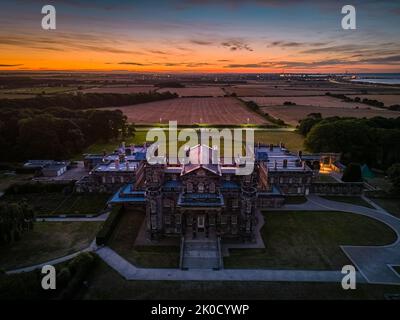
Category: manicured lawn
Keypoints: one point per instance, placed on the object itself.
(58, 203)
(152, 256)
(105, 283)
(292, 140)
(309, 240)
(47, 241)
(295, 200)
(390, 205)
(358, 201)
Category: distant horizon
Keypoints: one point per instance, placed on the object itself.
(196, 72)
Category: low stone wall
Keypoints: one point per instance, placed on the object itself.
(337, 188)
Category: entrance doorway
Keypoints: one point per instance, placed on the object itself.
(201, 223)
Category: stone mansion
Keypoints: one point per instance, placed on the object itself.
(197, 198)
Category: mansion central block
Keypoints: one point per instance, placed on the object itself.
(199, 199)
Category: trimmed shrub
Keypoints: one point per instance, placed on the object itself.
(109, 225)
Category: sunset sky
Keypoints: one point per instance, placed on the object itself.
(201, 36)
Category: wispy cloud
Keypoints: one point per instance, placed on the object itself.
(234, 45)
(10, 65)
(201, 42)
(291, 44)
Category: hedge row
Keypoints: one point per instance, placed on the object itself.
(109, 225)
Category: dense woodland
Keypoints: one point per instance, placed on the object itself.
(56, 127)
(374, 141)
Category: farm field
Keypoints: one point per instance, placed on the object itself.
(36, 90)
(322, 101)
(195, 91)
(218, 111)
(387, 99)
(15, 96)
(261, 91)
(125, 89)
(292, 114)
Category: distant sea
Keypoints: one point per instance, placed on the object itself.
(384, 78)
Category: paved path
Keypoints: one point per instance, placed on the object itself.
(130, 272)
(374, 262)
(101, 217)
(92, 247)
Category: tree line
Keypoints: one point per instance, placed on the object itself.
(369, 102)
(86, 100)
(373, 141)
(15, 219)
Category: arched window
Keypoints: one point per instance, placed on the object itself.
(200, 187)
(189, 187)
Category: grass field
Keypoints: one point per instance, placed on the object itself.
(105, 283)
(293, 141)
(38, 90)
(291, 90)
(123, 242)
(387, 99)
(292, 114)
(122, 89)
(309, 240)
(47, 241)
(60, 204)
(15, 96)
(322, 101)
(187, 111)
(358, 201)
(206, 91)
(390, 205)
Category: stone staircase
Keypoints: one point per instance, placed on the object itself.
(201, 254)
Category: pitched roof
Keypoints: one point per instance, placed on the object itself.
(201, 156)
